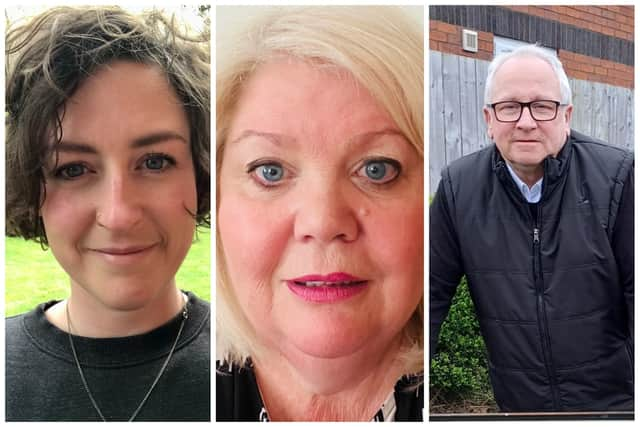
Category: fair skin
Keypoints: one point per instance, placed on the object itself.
(117, 201)
(317, 179)
(526, 143)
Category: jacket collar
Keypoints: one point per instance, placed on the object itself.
(554, 168)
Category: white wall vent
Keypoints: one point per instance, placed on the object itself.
(470, 40)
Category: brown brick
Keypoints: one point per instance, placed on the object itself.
(608, 31)
(486, 46)
(620, 34)
(484, 36)
(583, 15)
(594, 10)
(438, 36)
(600, 70)
(626, 28)
(619, 74)
(455, 38)
(578, 75)
(572, 12)
(551, 15)
(448, 28)
(586, 68)
(594, 27)
(622, 67)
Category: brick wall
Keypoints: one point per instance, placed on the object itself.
(594, 69)
(613, 21)
(616, 21)
(447, 38)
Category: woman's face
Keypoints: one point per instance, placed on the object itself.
(320, 213)
(118, 187)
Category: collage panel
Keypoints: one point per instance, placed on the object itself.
(107, 283)
(320, 253)
(531, 226)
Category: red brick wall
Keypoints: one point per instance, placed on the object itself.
(616, 21)
(594, 69)
(447, 38)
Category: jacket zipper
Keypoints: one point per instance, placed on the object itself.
(543, 326)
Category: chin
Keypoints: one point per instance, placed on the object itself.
(127, 296)
(327, 343)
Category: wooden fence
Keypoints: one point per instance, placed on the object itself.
(456, 123)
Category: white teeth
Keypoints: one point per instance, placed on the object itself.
(319, 283)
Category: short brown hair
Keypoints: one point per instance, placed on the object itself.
(49, 56)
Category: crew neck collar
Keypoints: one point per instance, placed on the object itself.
(115, 352)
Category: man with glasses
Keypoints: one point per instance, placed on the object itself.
(541, 224)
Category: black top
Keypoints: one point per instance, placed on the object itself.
(43, 382)
(552, 288)
(238, 397)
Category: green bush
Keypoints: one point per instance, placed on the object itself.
(458, 371)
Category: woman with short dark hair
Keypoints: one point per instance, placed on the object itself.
(107, 153)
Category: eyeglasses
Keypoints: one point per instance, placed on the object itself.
(511, 111)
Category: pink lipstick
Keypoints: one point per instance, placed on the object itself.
(326, 288)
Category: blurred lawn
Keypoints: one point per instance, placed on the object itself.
(33, 276)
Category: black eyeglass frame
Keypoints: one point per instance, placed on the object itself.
(528, 106)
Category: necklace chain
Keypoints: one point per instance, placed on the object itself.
(185, 315)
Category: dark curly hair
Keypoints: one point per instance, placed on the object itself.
(46, 60)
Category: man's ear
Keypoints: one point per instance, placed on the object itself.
(568, 112)
(489, 120)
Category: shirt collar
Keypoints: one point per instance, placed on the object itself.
(532, 194)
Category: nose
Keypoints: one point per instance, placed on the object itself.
(325, 214)
(526, 120)
(118, 207)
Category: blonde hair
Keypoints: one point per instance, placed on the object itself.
(382, 48)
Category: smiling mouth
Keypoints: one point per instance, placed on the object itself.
(123, 251)
(316, 284)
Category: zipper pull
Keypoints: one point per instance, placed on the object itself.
(536, 235)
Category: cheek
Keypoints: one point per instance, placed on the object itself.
(253, 237)
(398, 243)
(65, 214)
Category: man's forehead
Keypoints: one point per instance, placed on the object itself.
(527, 74)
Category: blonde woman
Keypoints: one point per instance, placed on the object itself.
(320, 216)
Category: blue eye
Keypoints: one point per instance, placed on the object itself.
(381, 171)
(271, 172)
(155, 163)
(376, 170)
(158, 162)
(70, 171)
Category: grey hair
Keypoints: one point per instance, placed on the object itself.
(532, 50)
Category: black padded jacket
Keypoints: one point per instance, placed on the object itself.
(552, 283)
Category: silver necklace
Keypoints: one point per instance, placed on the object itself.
(185, 315)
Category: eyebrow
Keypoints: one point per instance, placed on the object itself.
(279, 139)
(66, 146)
(370, 136)
(275, 138)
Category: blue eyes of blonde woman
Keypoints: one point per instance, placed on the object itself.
(377, 171)
(153, 162)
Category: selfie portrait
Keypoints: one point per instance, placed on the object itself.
(320, 253)
(107, 193)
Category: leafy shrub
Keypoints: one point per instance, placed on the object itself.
(459, 368)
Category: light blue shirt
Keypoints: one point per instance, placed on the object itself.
(532, 194)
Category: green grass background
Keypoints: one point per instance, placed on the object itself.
(33, 276)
